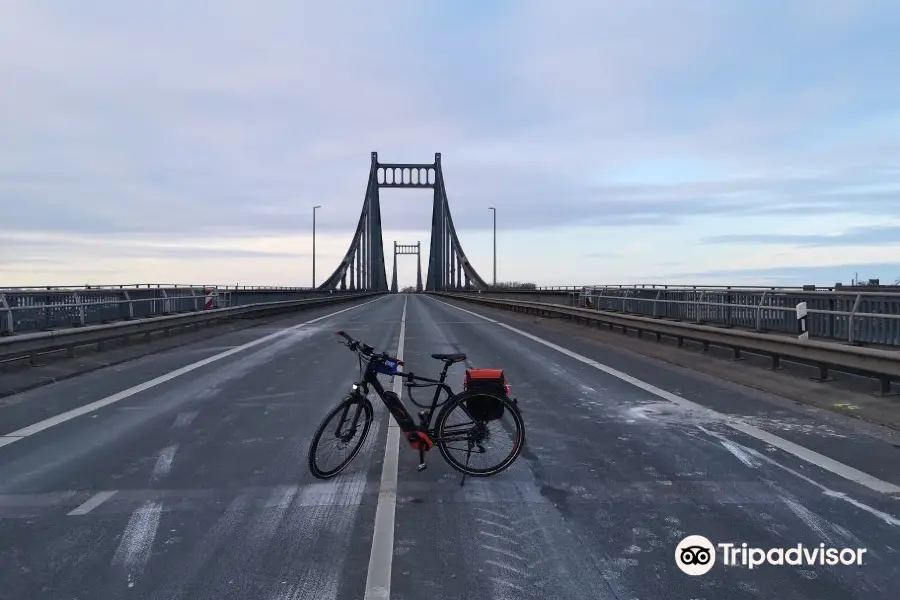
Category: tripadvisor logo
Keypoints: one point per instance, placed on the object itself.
(696, 555)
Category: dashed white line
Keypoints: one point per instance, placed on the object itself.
(805, 454)
(378, 578)
(740, 454)
(184, 419)
(164, 462)
(137, 541)
(92, 503)
(15, 436)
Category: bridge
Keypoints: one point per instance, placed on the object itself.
(363, 268)
(153, 437)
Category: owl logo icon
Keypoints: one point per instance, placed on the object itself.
(695, 555)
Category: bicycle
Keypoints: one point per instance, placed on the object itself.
(483, 406)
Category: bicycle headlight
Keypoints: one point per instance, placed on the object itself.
(354, 387)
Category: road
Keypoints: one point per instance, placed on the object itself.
(185, 477)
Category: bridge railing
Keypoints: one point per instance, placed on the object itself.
(852, 317)
(882, 363)
(48, 308)
(855, 316)
(657, 286)
(119, 286)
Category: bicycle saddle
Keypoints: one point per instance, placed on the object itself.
(458, 357)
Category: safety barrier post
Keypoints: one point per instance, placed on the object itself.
(802, 327)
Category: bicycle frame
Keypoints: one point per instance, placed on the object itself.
(420, 436)
(394, 403)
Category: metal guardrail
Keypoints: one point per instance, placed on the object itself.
(24, 310)
(895, 288)
(856, 317)
(30, 344)
(880, 363)
(571, 288)
(118, 286)
(852, 317)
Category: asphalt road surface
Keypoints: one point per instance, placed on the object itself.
(183, 475)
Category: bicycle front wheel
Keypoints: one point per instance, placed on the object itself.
(343, 429)
(479, 443)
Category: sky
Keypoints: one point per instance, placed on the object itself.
(692, 142)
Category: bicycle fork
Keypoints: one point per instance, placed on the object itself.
(346, 436)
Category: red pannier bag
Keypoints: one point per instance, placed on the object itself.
(493, 382)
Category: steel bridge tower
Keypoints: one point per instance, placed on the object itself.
(408, 249)
(363, 268)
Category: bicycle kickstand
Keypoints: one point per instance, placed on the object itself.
(422, 466)
(462, 482)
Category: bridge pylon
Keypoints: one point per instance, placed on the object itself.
(408, 249)
(363, 268)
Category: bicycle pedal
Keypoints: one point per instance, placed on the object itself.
(422, 467)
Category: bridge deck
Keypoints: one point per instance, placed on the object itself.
(197, 487)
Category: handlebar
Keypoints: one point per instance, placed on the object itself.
(367, 349)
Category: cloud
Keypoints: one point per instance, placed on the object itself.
(823, 275)
(860, 236)
(220, 124)
(43, 250)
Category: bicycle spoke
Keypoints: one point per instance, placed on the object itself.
(478, 446)
(342, 433)
(329, 447)
(467, 426)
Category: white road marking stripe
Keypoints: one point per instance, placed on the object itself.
(889, 519)
(15, 436)
(164, 462)
(810, 456)
(8, 439)
(378, 578)
(137, 540)
(184, 419)
(92, 503)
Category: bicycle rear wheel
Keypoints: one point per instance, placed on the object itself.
(462, 436)
(345, 427)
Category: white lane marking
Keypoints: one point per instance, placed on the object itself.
(809, 518)
(740, 454)
(805, 454)
(92, 503)
(184, 419)
(137, 540)
(15, 436)
(378, 578)
(889, 519)
(164, 462)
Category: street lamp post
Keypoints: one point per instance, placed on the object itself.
(314, 245)
(494, 210)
